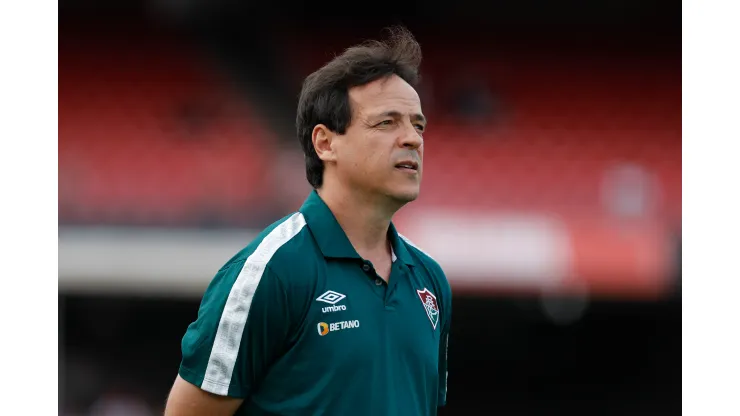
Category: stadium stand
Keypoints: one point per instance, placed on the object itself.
(151, 136)
(147, 135)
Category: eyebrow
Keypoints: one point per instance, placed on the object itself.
(396, 114)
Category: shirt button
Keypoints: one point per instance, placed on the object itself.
(378, 282)
(366, 267)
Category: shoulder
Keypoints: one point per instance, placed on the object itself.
(273, 252)
(426, 261)
(264, 246)
(422, 257)
(285, 250)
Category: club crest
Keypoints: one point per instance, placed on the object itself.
(429, 301)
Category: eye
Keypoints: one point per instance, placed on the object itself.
(419, 127)
(385, 123)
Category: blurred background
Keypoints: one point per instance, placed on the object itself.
(551, 194)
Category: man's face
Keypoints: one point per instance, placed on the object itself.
(381, 151)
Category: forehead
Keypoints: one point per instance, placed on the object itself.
(384, 93)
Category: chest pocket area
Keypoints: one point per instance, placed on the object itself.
(416, 328)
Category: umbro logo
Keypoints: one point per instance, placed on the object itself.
(331, 297)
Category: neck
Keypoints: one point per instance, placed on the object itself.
(363, 218)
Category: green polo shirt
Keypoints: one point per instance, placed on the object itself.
(297, 323)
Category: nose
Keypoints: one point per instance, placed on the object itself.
(411, 138)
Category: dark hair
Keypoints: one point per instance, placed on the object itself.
(324, 97)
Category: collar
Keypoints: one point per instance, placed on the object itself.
(331, 238)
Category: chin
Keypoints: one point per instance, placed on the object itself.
(405, 195)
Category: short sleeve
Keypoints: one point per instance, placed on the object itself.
(444, 344)
(240, 331)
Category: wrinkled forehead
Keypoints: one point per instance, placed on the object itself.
(391, 93)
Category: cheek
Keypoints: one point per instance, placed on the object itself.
(372, 158)
(373, 163)
(369, 157)
(361, 164)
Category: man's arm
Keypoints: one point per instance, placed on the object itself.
(240, 331)
(442, 398)
(186, 399)
(443, 343)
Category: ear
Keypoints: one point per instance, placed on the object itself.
(323, 139)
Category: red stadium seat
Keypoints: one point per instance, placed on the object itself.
(126, 150)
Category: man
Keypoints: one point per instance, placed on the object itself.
(330, 311)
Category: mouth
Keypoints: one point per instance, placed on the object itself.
(408, 165)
